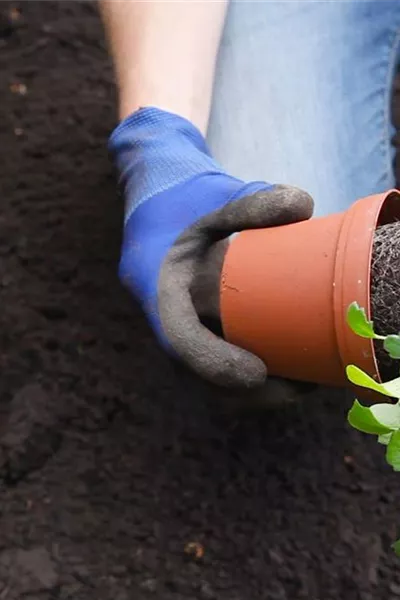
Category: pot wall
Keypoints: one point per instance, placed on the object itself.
(285, 291)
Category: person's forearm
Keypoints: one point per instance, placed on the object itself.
(164, 54)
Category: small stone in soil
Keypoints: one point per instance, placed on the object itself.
(14, 14)
(194, 549)
(18, 88)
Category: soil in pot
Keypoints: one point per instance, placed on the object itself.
(385, 292)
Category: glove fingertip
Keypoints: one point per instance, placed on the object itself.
(254, 373)
(239, 369)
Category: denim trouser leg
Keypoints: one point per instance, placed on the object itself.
(302, 96)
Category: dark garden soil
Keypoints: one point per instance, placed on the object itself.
(120, 479)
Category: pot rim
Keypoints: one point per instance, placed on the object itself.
(352, 278)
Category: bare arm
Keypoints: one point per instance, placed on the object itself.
(164, 54)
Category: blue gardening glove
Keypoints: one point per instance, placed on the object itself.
(179, 202)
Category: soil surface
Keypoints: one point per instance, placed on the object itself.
(121, 478)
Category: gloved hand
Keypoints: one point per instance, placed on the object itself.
(178, 202)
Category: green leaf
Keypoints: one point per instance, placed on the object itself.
(393, 451)
(387, 415)
(392, 387)
(358, 322)
(392, 346)
(362, 418)
(396, 547)
(384, 438)
(358, 377)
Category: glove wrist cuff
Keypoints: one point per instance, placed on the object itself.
(151, 122)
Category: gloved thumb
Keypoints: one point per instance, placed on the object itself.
(277, 205)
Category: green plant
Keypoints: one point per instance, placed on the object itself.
(383, 419)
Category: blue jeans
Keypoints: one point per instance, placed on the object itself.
(303, 93)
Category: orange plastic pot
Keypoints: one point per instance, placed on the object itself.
(285, 291)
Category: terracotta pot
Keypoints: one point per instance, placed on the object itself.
(285, 291)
